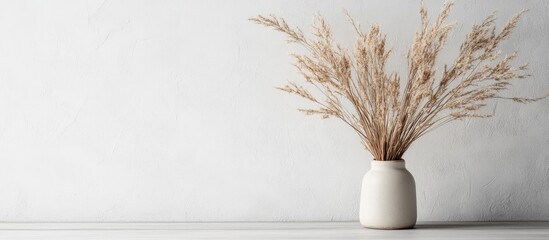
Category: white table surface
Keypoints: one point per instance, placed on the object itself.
(306, 230)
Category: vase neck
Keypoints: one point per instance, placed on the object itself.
(396, 164)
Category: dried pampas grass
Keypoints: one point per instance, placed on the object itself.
(354, 86)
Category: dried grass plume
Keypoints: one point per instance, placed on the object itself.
(389, 114)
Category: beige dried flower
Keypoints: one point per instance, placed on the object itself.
(354, 86)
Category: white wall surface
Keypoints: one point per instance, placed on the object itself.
(166, 111)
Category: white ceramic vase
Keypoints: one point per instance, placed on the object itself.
(388, 197)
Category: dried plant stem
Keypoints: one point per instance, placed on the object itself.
(388, 115)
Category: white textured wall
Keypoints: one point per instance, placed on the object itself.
(166, 111)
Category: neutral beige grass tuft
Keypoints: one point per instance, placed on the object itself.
(354, 86)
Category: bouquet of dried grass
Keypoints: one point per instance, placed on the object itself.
(354, 86)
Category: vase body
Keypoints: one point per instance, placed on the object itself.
(388, 196)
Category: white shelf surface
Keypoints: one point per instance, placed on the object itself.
(300, 230)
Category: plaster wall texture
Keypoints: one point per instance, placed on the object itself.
(166, 111)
